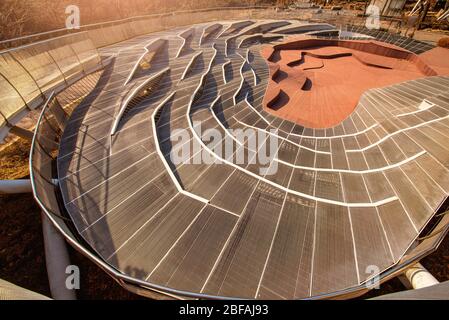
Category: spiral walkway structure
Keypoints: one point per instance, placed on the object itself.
(353, 187)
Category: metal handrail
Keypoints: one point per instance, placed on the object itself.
(33, 142)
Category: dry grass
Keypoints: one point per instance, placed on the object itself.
(14, 160)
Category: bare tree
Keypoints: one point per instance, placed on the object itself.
(49, 14)
(21, 17)
(14, 15)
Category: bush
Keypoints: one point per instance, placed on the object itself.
(444, 42)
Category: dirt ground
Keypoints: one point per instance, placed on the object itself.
(22, 258)
(14, 160)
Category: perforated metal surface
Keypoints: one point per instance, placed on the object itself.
(333, 208)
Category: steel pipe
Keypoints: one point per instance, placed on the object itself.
(57, 261)
(419, 277)
(15, 186)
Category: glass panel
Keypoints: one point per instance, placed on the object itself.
(20, 79)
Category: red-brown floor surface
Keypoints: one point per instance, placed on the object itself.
(323, 88)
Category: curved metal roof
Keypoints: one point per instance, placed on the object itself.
(342, 199)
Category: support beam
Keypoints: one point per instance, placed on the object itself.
(423, 15)
(437, 292)
(22, 133)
